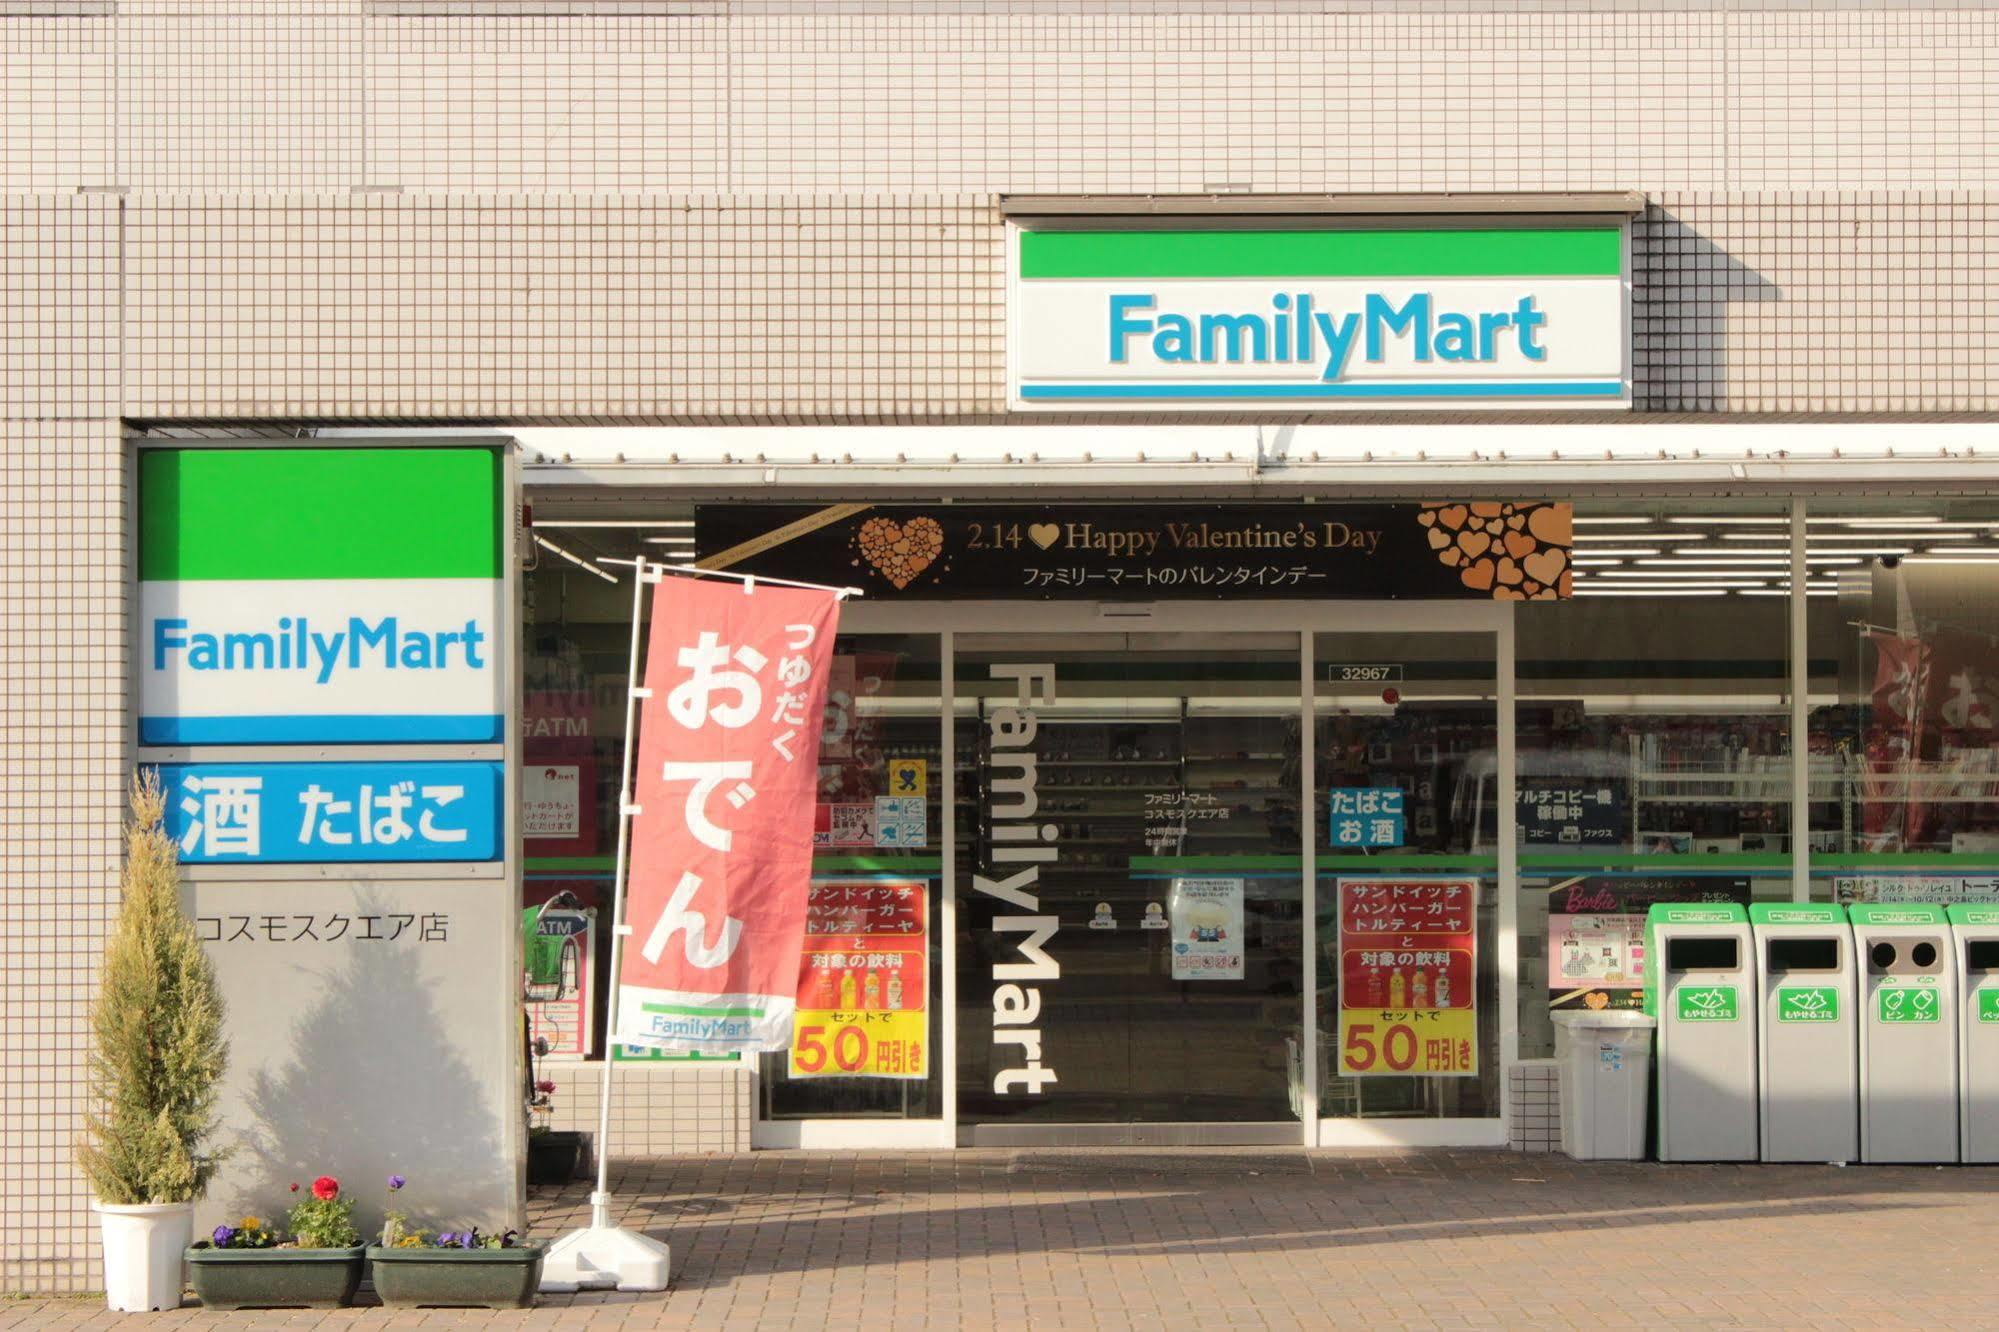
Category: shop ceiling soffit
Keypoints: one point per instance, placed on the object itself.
(1877, 453)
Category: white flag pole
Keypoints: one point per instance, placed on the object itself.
(602, 1254)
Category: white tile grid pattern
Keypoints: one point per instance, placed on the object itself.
(659, 1110)
(491, 95)
(737, 309)
(63, 538)
(1534, 1104)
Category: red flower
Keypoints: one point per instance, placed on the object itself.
(326, 1188)
(545, 1088)
(294, 1188)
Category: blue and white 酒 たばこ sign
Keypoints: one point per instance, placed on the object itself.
(305, 813)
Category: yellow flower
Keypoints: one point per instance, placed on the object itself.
(250, 1223)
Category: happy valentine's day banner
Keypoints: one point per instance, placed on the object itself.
(1496, 550)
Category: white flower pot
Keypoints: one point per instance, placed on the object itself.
(145, 1253)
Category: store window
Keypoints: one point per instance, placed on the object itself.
(873, 926)
(1905, 715)
(577, 635)
(1653, 749)
(876, 863)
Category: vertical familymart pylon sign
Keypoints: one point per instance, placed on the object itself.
(1474, 317)
(320, 596)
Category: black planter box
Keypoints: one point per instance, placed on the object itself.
(553, 1156)
(460, 1278)
(276, 1278)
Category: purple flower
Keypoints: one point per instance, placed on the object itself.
(469, 1239)
(396, 1182)
(222, 1236)
(447, 1240)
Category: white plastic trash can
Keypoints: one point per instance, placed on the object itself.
(1606, 1060)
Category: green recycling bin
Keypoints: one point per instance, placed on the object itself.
(1700, 983)
(1807, 1048)
(1908, 1032)
(1975, 928)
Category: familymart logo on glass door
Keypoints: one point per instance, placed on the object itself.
(309, 596)
(1491, 317)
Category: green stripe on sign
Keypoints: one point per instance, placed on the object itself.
(208, 514)
(678, 1010)
(1494, 252)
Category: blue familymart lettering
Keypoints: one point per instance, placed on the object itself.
(1292, 332)
(294, 645)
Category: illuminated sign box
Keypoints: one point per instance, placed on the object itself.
(1482, 318)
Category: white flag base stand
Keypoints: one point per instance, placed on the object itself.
(601, 1255)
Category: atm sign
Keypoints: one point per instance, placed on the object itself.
(1808, 1003)
(1706, 1003)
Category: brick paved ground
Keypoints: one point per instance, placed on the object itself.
(1265, 1238)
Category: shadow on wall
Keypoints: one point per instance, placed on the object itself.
(374, 1084)
(1683, 286)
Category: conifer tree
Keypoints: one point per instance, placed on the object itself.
(158, 1025)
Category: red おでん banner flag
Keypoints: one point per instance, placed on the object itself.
(721, 848)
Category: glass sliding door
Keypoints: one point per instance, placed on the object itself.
(1130, 907)
(1407, 812)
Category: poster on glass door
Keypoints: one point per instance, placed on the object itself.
(863, 981)
(1206, 924)
(1408, 952)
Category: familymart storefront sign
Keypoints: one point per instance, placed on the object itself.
(1328, 320)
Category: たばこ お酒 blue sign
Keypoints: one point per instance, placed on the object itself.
(1366, 816)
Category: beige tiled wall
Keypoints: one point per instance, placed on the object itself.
(718, 308)
(659, 1110)
(62, 704)
(680, 210)
(1534, 1105)
(573, 307)
(980, 96)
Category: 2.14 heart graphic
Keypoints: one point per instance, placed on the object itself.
(900, 551)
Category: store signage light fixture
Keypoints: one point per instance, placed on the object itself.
(1413, 316)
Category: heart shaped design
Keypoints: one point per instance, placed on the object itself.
(1544, 566)
(1552, 523)
(900, 551)
(1511, 552)
(1043, 534)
